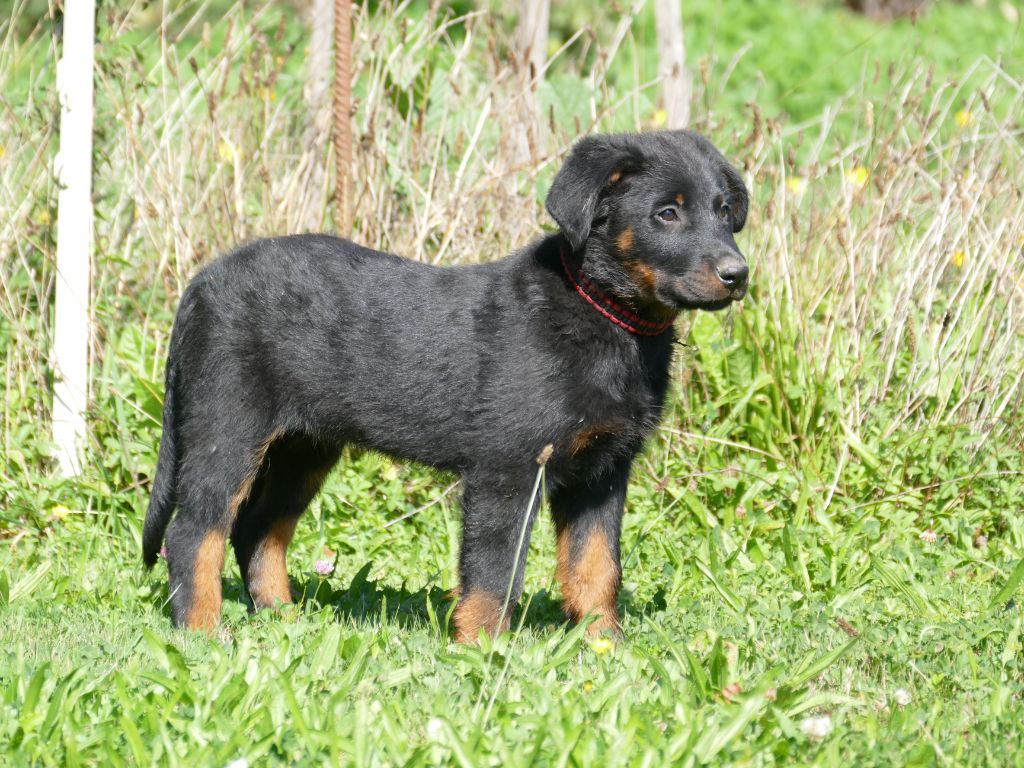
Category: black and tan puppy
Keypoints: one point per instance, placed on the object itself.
(287, 349)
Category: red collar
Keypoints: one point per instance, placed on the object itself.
(607, 307)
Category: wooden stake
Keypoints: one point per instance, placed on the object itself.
(343, 116)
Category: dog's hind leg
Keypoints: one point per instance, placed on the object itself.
(291, 475)
(588, 522)
(496, 535)
(216, 478)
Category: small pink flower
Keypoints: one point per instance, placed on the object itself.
(163, 552)
(324, 567)
(928, 536)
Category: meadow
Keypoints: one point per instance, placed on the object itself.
(824, 544)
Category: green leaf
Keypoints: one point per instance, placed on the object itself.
(1004, 594)
(727, 594)
(811, 670)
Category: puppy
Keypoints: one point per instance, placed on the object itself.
(287, 349)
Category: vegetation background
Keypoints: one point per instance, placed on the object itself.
(824, 546)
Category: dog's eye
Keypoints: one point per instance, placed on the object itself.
(669, 214)
(724, 212)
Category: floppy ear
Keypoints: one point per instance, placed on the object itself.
(594, 163)
(739, 200)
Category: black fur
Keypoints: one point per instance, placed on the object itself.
(289, 348)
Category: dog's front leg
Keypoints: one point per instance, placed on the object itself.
(496, 529)
(588, 521)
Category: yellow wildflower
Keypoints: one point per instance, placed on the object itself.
(227, 151)
(964, 118)
(796, 185)
(857, 176)
(957, 259)
(659, 118)
(3, 150)
(602, 645)
(588, 687)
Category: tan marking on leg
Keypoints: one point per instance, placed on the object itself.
(680, 199)
(590, 582)
(204, 612)
(625, 240)
(582, 439)
(242, 492)
(478, 610)
(268, 571)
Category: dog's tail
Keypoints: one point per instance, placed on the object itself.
(164, 495)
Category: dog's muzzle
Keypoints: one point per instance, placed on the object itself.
(732, 271)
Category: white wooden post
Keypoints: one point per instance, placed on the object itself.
(318, 128)
(675, 84)
(532, 36)
(73, 169)
(530, 56)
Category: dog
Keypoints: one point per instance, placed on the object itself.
(287, 349)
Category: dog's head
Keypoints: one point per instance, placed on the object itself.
(654, 215)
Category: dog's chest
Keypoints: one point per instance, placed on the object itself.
(614, 408)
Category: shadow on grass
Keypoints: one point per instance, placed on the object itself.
(368, 602)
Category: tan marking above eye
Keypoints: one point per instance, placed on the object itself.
(680, 198)
(615, 177)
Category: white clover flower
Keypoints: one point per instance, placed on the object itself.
(817, 727)
(435, 726)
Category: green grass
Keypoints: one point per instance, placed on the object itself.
(364, 671)
(825, 531)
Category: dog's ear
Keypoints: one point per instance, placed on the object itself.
(739, 200)
(595, 163)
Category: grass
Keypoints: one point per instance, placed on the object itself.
(824, 549)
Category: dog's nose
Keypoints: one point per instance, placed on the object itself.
(732, 270)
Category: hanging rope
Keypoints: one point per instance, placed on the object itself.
(342, 116)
